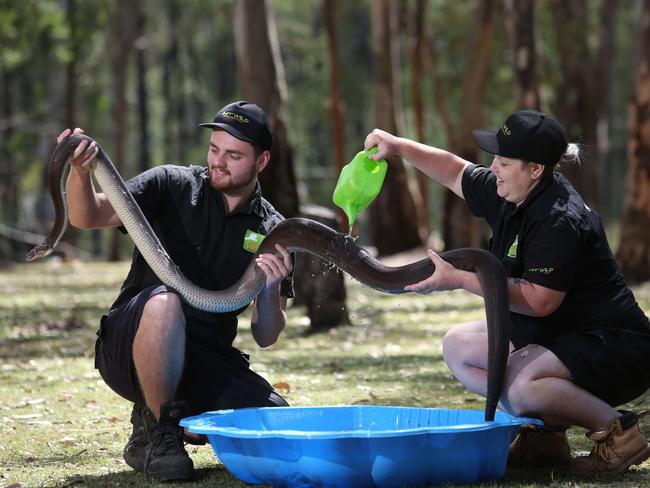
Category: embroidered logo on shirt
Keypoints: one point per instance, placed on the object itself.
(512, 250)
(544, 271)
(252, 241)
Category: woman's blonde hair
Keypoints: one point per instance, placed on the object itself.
(572, 155)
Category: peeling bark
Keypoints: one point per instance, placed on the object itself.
(634, 251)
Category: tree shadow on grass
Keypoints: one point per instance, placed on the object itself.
(219, 476)
(382, 368)
(203, 477)
(78, 342)
(633, 478)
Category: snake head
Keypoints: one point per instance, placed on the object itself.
(39, 252)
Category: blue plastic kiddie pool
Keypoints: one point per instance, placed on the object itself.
(359, 446)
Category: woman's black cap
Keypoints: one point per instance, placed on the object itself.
(527, 134)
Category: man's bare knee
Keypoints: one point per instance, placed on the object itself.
(164, 299)
(163, 309)
(167, 301)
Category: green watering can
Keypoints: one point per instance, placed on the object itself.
(359, 183)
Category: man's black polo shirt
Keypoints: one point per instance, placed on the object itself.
(554, 240)
(190, 219)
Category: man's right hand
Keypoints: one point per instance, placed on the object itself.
(83, 156)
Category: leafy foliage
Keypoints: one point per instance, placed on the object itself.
(190, 71)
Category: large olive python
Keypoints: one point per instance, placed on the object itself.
(295, 234)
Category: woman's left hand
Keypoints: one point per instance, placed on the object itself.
(445, 277)
(275, 267)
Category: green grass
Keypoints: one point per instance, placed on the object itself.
(61, 426)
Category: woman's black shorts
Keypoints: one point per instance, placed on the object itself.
(611, 363)
(213, 378)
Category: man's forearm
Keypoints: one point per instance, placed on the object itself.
(87, 208)
(83, 206)
(270, 318)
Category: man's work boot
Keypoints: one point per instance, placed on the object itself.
(134, 450)
(165, 458)
(617, 448)
(540, 447)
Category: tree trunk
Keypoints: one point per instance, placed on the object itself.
(261, 74)
(144, 157)
(438, 95)
(524, 54)
(574, 90)
(319, 287)
(602, 76)
(460, 228)
(122, 36)
(394, 213)
(71, 79)
(171, 90)
(634, 251)
(584, 88)
(417, 56)
(8, 176)
(335, 102)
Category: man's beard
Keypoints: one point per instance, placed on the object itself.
(232, 184)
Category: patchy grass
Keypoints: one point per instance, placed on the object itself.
(62, 426)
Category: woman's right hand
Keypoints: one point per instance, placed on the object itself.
(387, 144)
(83, 156)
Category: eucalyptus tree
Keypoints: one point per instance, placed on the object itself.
(394, 213)
(634, 251)
(261, 76)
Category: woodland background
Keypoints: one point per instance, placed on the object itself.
(139, 75)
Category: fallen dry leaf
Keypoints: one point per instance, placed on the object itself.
(28, 416)
(334, 368)
(362, 401)
(282, 385)
(68, 441)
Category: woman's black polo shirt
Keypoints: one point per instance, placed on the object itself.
(190, 219)
(554, 240)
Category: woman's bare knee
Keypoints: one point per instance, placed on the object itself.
(461, 348)
(530, 369)
(451, 345)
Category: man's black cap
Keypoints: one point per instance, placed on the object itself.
(245, 121)
(527, 134)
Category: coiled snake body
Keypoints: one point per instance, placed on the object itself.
(296, 235)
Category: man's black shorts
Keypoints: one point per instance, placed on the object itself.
(213, 378)
(613, 364)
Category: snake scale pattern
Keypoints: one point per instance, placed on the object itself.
(297, 235)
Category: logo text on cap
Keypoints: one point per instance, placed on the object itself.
(234, 115)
